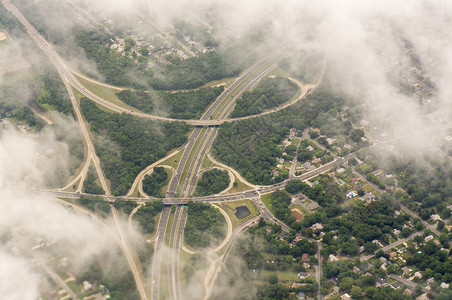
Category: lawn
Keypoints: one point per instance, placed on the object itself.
(282, 275)
(170, 174)
(234, 204)
(240, 187)
(266, 199)
(104, 92)
(169, 225)
(304, 211)
(173, 160)
(76, 288)
(349, 201)
(207, 163)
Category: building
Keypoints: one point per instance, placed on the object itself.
(299, 197)
(422, 297)
(306, 165)
(87, 286)
(340, 170)
(406, 270)
(332, 258)
(305, 257)
(435, 217)
(381, 282)
(287, 143)
(444, 285)
(317, 226)
(346, 297)
(428, 238)
(312, 205)
(367, 197)
(304, 274)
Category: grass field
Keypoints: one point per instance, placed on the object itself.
(173, 161)
(234, 204)
(170, 174)
(104, 92)
(207, 163)
(266, 199)
(282, 275)
(169, 226)
(240, 187)
(300, 208)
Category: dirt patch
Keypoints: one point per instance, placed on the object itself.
(2, 36)
(297, 214)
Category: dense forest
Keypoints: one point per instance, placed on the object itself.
(89, 185)
(179, 105)
(145, 215)
(127, 144)
(279, 202)
(138, 99)
(251, 146)
(110, 63)
(95, 204)
(271, 92)
(205, 225)
(152, 184)
(125, 206)
(212, 182)
(194, 72)
(53, 94)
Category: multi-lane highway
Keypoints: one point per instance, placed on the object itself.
(186, 175)
(156, 261)
(199, 143)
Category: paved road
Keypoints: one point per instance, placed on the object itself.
(64, 69)
(221, 108)
(128, 255)
(213, 198)
(156, 262)
(172, 254)
(319, 271)
(179, 239)
(177, 176)
(55, 277)
(392, 245)
(407, 282)
(404, 208)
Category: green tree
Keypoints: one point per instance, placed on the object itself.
(356, 292)
(346, 283)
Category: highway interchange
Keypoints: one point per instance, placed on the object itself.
(184, 179)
